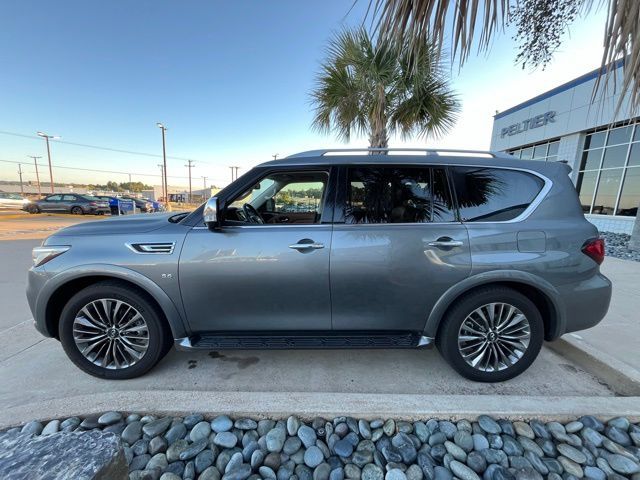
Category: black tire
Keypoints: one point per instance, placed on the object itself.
(447, 338)
(77, 211)
(33, 209)
(159, 334)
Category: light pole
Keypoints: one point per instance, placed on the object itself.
(164, 194)
(189, 166)
(164, 162)
(20, 173)
(275, 156)
(35, 162)
(46, 138)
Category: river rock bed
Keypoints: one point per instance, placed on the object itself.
(192, 447)
(617, 245)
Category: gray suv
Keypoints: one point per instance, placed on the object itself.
(482, 254)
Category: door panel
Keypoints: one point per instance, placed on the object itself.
(243, 278)
(388, 277)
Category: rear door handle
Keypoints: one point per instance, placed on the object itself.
(306, 246)
(445, 242)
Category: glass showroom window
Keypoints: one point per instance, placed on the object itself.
(609, 178)
(547, 151)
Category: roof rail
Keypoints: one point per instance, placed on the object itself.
(427, 151)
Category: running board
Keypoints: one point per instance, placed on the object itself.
(285, 341)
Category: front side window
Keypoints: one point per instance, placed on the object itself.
(493, 194)
(281, 198)
(69, 198)
(53, 198)
(398, 195)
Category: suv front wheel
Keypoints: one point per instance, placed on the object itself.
(491, 334)
(109, 330)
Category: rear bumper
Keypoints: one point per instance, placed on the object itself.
(586, 303)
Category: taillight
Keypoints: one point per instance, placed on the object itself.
(594, 248)
(93, 204)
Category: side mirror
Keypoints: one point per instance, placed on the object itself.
(210, 213)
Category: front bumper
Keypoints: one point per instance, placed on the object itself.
(36, 278)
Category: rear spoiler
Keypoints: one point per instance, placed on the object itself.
(566, 163)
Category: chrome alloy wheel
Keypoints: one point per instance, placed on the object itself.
(494, 337)
(111, 333)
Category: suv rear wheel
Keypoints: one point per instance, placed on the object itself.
(111, 331)
(491, 334)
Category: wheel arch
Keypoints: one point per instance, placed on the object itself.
(57, 296)
(545, 297)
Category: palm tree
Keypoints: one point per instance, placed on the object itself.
(540, 24)
(379, 88)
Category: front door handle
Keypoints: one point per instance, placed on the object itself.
(445, 242)
(306, 246)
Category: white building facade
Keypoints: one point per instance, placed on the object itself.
(601, 146)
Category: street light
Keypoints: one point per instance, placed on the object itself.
(46, 138)
(164, 161)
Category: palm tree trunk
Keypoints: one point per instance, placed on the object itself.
(379, 137)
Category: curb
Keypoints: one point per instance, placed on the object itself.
(307, 406)
(622, 378)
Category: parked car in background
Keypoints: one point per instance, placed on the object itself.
(13, 200)
(70, 203)
(114, 204)
(483, 255)
(142, 204)
(157, 206)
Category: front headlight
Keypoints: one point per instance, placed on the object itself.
(42, 255)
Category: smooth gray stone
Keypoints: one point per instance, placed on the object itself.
(442, 473)
(132, 432)
(523, 429)
(194, 449)
(158, 445)
(70, 423)
(221, 423)
(502, 473)
(189, 471)
(463, 439)
(573, 427)
(623, 465)
(448, 428)
(89, 423)
(170, 476)
(204, 460)
(489, 425)
(571, 467)
(476, 462)
(540, 429)
(620, 422)
(32, 428)
(480, 442)
(157, 461)
(87, 455)
(210, 473)
(572, 453)
(455, 451)
(245, 424)
(313, 457)
(372, 472)
(322, 472)
(414, 472)
(140, 447)
(594, 473)
(200, 431)
(463, 472)
(109, 418)
(592, 422)
(176, 432)
(192, 420)
(52, 427)
(175, 449)
(241, 473)
(395, 474)
(157, 427)
(619, 436)
(225, 440)
(528, 473)
(293, 424)
(276, 438)
(307, 435)
(139, 462)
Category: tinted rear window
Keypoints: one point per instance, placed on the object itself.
(493, 194)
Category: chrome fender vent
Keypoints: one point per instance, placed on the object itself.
(152, 247)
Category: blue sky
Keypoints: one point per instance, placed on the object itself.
(231, 81)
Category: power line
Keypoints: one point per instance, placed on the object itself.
(99, 147)
(98, 171)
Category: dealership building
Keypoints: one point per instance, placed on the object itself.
(601, 146)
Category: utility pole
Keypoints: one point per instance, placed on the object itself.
(164, 193)
(204, 188)
(35, 162)
(129, 180)
(164, 161)
(189, 166)
(234, 173)
(275, 156)
(46, 138)
(20, 173)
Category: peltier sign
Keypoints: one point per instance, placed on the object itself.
(529, 123)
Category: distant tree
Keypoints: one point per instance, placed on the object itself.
(378, 87)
